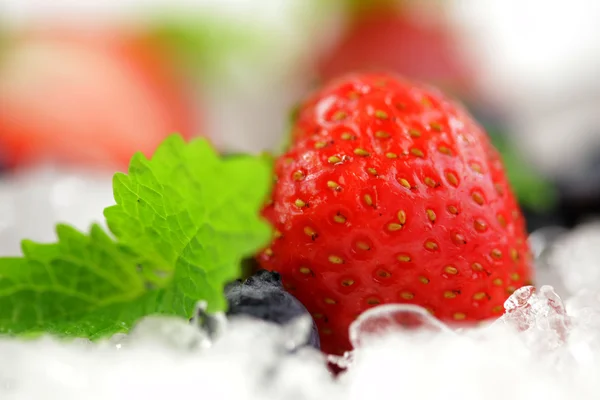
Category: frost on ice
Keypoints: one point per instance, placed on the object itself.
(543, 347)
(539, 349)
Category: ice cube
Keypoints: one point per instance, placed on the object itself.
(391, 318)
(539, 317)
(385, 320)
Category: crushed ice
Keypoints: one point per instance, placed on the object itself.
(541, 348)
(538, 349)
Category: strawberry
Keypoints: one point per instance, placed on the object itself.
(391, 193)
(386, 35)
(91, 98)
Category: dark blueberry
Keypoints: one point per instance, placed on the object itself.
(262, 296)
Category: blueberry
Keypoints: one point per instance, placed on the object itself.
(262, 296)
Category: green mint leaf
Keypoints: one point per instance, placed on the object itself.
(53, 286)
(193, 213)
(183, 222)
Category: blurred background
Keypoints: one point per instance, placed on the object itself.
(85, 84)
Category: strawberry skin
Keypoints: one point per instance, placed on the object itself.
(391, 193)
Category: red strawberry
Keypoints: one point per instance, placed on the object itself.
(386, 36)
(89, 98)
(392, 193)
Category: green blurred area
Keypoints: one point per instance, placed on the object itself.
(203, 46)
(532, 189)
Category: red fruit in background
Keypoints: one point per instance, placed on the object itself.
(87, 98)
(392, 193)
(392, 38)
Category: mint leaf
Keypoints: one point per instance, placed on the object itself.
(183, 222)
(188, 209)
(55, 285)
